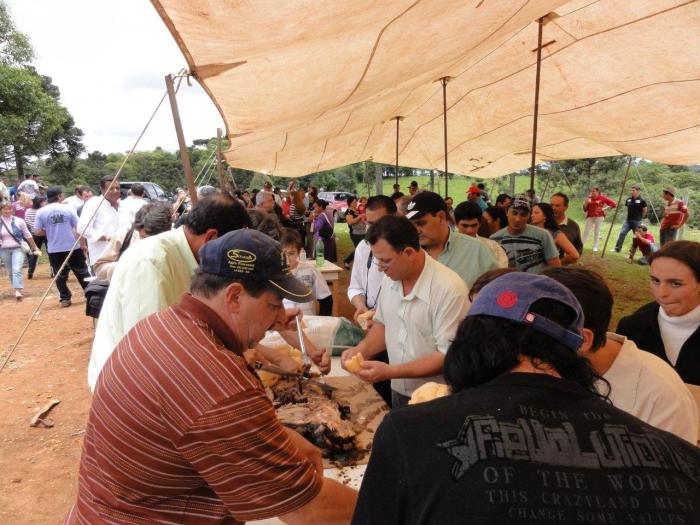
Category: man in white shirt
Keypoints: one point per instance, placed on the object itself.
(418, 312)
(81, 196)
(641, 383)
(366, 279)
(30, 185)
(131, 205)
(99, 220)
(154, 273)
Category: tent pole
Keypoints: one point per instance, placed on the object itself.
(184, 153)
(444, 81)
(537, 103)
(619, 201)
(396, 172)
(220, 161)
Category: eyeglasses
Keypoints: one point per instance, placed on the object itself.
(382, 265)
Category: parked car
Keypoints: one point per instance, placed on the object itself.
(338, 200)
(153, 191)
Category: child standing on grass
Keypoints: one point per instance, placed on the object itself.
(307, 273)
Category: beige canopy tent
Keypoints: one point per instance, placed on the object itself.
(309, 85)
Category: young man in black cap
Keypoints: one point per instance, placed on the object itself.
(468, 257)
(525, 437)
(636, 211)
(180, 428)
(529, 248)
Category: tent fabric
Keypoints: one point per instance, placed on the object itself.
(310, 85)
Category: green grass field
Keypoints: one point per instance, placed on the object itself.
(628, 282)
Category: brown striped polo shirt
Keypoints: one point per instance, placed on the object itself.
(180, 431)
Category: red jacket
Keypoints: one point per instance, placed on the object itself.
(594, 207)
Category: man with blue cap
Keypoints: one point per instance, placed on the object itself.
(524, 437)
(180, 428)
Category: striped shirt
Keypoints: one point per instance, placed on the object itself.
(674, 213)
(180, 431)
(528, 251)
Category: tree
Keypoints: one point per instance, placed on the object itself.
(15, 49)
(33, 123)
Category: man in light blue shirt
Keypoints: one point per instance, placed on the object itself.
(465, 255)
(58, 223)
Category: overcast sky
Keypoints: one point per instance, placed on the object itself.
(109, 59)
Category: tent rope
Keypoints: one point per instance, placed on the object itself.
(617, 208)
(114, 181)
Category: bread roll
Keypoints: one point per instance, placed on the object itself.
(363, 318)
(353, 364)
(428, 392)
(268, 378)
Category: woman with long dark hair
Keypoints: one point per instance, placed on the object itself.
(358, 227)
(325, 219)
(543, 216)
(669, 327)
(39, 240)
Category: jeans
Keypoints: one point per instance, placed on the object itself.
(13, 259)
(76, 263)
(595, 223)
(667, 235)
(627, 226)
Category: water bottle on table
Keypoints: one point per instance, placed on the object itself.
(320, 260)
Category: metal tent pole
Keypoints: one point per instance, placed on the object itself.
(184, 153)
(537, 104)
(444, 81)
(396, 173)
(619, 201)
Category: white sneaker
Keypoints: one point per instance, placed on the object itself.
(595, 249)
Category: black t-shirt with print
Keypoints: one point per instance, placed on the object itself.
(525, 449)
(635, 208)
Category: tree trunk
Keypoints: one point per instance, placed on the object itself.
(19, 163)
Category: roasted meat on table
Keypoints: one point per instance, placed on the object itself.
(316, 416)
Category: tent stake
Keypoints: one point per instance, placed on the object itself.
(220, 161)
(537, 103)
(444, 81)
(184, 153)
(619, 201)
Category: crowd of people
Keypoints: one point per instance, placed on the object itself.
(548, 401)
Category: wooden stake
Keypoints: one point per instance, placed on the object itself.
(184, 152)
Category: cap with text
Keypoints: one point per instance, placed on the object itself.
(250, 255)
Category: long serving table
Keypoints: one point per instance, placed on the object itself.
(331, 273)
(350, 476)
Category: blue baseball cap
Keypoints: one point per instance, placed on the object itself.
(250, 255)
(511, 296)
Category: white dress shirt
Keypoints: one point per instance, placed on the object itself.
(647, 387)
(423, 321)
(127, 210)
(149, 277)
(105, 222)
(366, 279)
